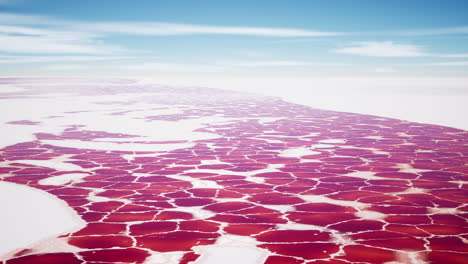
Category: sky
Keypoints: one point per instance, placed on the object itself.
(248, 38)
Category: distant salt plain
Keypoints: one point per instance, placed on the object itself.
(429, 100)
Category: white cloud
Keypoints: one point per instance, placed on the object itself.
(283, 63)
(160, 29)
(42, 35)
(189, 29)
(461, 55)
(392, 49)
(66, 67)
(45, 35)
(43, 44)
(12, 59)
(19, 19)
(53, 33)
(385, 70)
(268, 63)
(252, 53)
(174, 67)
(433, 31)
(449, 63)
(144, 68)
(22, 39)
(382, 49)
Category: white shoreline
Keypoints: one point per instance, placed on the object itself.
(428, 100)
(31, 215)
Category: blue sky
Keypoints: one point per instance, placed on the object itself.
(410, 37)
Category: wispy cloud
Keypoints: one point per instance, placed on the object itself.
(46, 35)
(385, 70)
(188, 29)
(68, 67)
(21, 39)
(447, 63)
(431, 31)
(174, 67)
(13, 59)
(392, 49)
(283, 63)
(41, 44)
(252, 53)
(36, 20)
(180, 67)
(461, 55)
(382, 49)
(161, 28)
(64, 42)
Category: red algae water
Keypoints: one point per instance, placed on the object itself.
(163, 174)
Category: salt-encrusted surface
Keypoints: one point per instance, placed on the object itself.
(169, 175)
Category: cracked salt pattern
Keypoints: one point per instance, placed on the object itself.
(157, 174)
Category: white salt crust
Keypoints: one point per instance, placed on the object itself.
(30, 215)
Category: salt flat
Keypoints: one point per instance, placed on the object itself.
(132, 172)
